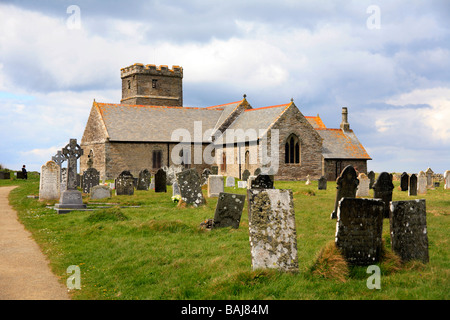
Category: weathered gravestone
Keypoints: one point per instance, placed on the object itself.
(245, 175)
(124, 184)
(90, 178)
(190, 187)
(171, 172)
(412, 189)
(215, 185)
(204, 177)
(249, 181)
(175, 189)
(100, 192)
(160, 181)
(429, 175)
(49, 184)
(230, 182)
(447, 179)
(242, 184)
(63, 179)
(371, 176)
(363, 185)
(262, 181)
(322, 183)
(404, 181)
(422, 183)
(346, 186)
(408, 224)
(143, 180)
(272, 232)
(228, 210)
(382, 189)
(215, 170)
(359, 228)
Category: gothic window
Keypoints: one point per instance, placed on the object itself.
(223, 165)
(129, 84)
(247, 160)
(292, 150)
(157, 159)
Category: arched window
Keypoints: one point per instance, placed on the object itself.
(223, 165)
(247, 160)
(292, 149)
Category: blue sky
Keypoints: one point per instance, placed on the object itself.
(388, 62)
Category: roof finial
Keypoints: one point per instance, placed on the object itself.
(245, 96)
(292, 99)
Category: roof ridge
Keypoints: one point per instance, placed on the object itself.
(220, 105)
(151, 106)
(277, 106)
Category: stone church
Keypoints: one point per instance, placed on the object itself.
(150, 129)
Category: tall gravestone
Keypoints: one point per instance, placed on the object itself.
(63, 179)
(71, 199)
(49, 184)
(124, 184)
(190, 187)
(404, 181)
(272, 231)
(262, 181)
(359, 229)
(382, 189)
(90, 178)
(346, 186)
(160, 181)
(412, 189)
(429, 174)
(447, 179)
(245, 175)
(322, 183)
(371, 176)
(143, 180)
(228, 210)
(215, 185)
(422, 183)
(408, 224)
(363, 185)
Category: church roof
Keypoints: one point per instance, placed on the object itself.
(339, 144)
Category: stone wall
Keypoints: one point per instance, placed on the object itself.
(331, 173)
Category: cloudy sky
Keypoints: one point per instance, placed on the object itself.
(388, 62)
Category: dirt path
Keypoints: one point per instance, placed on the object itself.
(24, 270)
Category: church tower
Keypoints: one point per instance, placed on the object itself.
(152, 85)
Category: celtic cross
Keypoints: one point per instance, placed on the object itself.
(72, 152)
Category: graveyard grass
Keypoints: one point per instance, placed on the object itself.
(158, 251)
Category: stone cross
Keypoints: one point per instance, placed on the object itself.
(58, 158)
(72, 152)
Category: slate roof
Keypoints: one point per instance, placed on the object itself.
(339, 144)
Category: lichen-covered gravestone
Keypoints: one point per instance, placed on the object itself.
(404, 181)
(245, 175)
(90, 178)
(143, 180)
(322, 183)
(273, 237)
(382, 189)
(359, 227)
(124, 184)
(408, 224)
(215, 185)
(346, 186)
(363, 185)
(49, 184)
(262, 181)
(228, 210)
(190, 187)
(160, 181)
(412, 189)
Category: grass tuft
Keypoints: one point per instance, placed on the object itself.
(110, 214)
(331, 264)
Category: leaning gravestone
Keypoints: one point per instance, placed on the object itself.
(160, 181)
(363, 186)
(100, 192)
(143, 180)
(215, 185)
(429, 175)
(371, 176)
(382, 189)
(230, 182)
(422, 183)
(90, 178)
(262, 181)
(346, 186)
(205, 174)
(322, 183)
(245, 175)
(412, 189)
(272, 233)
(190, 187)
(359, 229)
(124, 184)
(49, 184)
(404, 181)
(408, 224)
(447, 179)
(228, 210)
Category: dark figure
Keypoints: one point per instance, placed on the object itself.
(24, 172)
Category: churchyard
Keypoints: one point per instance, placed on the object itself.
(145, 245)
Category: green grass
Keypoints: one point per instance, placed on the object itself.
(158, 251)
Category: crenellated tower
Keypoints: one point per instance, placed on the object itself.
(152, 85)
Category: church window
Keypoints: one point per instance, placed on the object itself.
(292, 150)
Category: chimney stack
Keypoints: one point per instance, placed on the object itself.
(344, 124)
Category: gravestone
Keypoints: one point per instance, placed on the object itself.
(175, 189)
(90, 178)
(214, 170)
(404, 181)
(412, 190)
(152, 183)
(262, 181)
(359, 229)
(205, 174)
(363, 185)
(382, 189)
(143, 180)
(19, 175)
(322, 183)
(429, 175)
(447, 179)
(230, 182)
(308, 182)
(71, 199)
(371, 176)
(215, 185)
(160, 181)
(228, 210)
(124, 184)
(408, 226)
(245, 175)
(100, 192)
(63, 179)
(49, 184)
(171, 172)
(257, 172)
(272, 233)
(346, 185)
(59, 158)
(422, 183)
(190, 187)
(249, 181)
(5, 175)
(242, 184)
